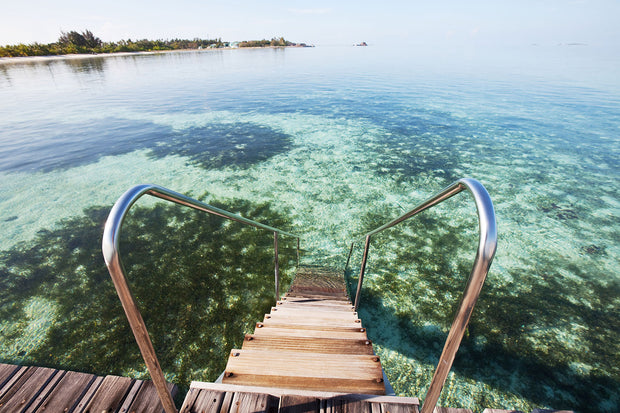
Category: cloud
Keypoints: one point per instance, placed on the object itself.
(310, 11)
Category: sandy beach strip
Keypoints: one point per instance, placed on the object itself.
(51, 58)
(36, 59)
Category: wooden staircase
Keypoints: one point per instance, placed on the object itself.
(312, 340)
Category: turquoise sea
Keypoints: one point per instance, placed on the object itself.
(328, 143)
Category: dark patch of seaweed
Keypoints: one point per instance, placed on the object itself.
(200, 281)
(215, 146)
(513, 341)
(64, 146)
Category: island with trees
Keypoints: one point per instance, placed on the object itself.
(86, 42)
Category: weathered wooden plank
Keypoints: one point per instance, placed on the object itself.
(314, 301)
(319, 282)
(314, 317)
(321, 295)
(67, 392)
(308, 331)
(26, 389)
(254, 402)
(310, 314)
(336, 296)
(279, 392)
(298, 404)
(45, 391)
(147, 399)
(318, 301)
(351, 385)
(398, 408)
(110, 394)
(308, 344)
(88, 395)
(190, 399)
(299, 325)
(343, 405)
(316, 306)
(130, 396)
(228, 398)
(501, 411)
(342, 372)
(299, 364)
(312, 320)
(6, 372)
(319, 311)
(203, 401)
(10, 381)
(450, 410)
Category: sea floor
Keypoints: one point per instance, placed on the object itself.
(328, 160)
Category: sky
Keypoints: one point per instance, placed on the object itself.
(320, 22)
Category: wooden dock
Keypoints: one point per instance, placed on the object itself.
(40, 389)
(224, 398)
(310, 354)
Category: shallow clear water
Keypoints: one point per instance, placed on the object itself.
(328, 143)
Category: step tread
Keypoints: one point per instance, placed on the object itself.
(308, 344)
(356, 373)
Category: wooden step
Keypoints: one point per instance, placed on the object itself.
(307, 344)
(333, 328)
(309, 322)
(321, 311)
(318, 301)
(315, 303)
(313, 294)
(348, 333)
(296, 370)
(311, 340)
(296, 314)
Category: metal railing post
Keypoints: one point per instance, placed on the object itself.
(362, 270)
(297, 252)
(484, 256)
(277, 266)
(346, 267)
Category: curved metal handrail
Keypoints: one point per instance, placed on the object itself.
(110, 247)
(484, 256)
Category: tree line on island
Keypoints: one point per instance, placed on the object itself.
(87, 43)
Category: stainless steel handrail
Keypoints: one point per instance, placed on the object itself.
(484, 256)
(110, 247)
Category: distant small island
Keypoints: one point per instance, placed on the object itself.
(87, 43)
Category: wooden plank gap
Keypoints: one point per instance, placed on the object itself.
(10, 381)
(46, 391)
(255, 403)
(26, 389)
(131, 395)
(6, 372)
(208, 401)
(110, 394)
(66, 393)
(87, 395)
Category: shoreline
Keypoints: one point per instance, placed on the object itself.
(79, 56)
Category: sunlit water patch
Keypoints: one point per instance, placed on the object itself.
(328, 151)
